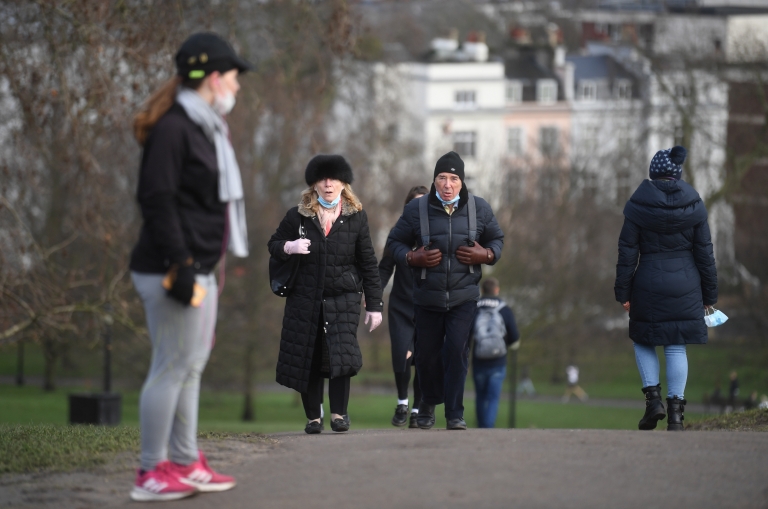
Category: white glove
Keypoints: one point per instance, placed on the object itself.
(374, 317)
(298, 246)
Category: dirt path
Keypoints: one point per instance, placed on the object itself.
(441, 469)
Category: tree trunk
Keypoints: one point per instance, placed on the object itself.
(50, 355)
(249, 412)
(20, 363)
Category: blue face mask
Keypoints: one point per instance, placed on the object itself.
(450, 202)
(326, 204)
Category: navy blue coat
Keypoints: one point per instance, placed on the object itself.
(402, 325)
(450, 284)
(666, 229)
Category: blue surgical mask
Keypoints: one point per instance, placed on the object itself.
(328, 205)
(450, 202)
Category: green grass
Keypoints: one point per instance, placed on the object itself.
(282, 411)
(751, 420)
(31, 448)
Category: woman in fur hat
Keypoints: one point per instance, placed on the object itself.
(666, 291)
(322, 312)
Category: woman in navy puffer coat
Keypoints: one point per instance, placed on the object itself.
(665, 277)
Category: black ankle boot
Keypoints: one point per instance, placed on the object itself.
(654, 408)
(676, 407)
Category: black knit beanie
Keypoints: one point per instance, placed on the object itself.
(450, 163)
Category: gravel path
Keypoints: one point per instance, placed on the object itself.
(475, 469)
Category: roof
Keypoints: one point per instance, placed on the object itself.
(595, 67)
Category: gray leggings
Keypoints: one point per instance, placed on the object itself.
(182, 337)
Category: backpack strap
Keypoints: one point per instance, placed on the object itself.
(424, 225)
(472, 215)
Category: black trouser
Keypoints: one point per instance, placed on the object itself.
(442, 353)
(338, 394)
(338, 388)
(402, 380)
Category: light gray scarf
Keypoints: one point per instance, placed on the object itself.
(230, 182)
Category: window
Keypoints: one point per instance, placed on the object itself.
(587, 90)
(514, 92)
(623, 90)
(549, 138)
(465, 99)
(546, 91)
(515, 145)
(464, 143)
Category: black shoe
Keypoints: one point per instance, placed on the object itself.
(346, 419)
(654, 408)
(456, 424)
(412, 420)
(675, 409)
(401, 416)
(339, 425)
(313, 428)
(426, 417)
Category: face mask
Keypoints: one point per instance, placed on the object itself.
(223, 105)
(449, 202)
(326, 204)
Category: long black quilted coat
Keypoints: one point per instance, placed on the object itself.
(450, 284)
(330, 282)
(665, 226)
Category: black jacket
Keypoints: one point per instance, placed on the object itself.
(450, 283)
(666, 227)
(400, 314)
(178, 194)
(512, 333)
(330, 282)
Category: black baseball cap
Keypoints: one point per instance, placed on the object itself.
(205, 52)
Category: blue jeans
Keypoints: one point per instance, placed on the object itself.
(488, 382)
(677, 367)
(442, 355)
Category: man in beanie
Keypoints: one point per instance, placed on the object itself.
(446, 262)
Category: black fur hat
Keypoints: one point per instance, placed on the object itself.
(328, 166)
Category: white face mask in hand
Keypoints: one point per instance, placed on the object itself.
(224, 104)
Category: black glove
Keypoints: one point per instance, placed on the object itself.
(183, 286)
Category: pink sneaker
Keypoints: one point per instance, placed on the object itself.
(202, 477)
(159, 485)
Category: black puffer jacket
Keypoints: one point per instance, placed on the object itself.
(330, 281)
(449, 284)
(666, 226)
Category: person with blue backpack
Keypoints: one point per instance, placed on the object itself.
(493, 332)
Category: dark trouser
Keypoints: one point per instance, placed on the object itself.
(442, 353)
(402, 380)
(338, 388)
(338, 394)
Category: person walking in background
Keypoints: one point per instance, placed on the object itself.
(733, 391)
(402, 330)
(322, 313)
(493, 331)
(454, 233)
(526, 383)
(666, 229)
(190, 194)
(572, 387)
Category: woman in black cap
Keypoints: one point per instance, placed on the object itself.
(666, 229)
(322, 312)
(191, 199)
(402, 329)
